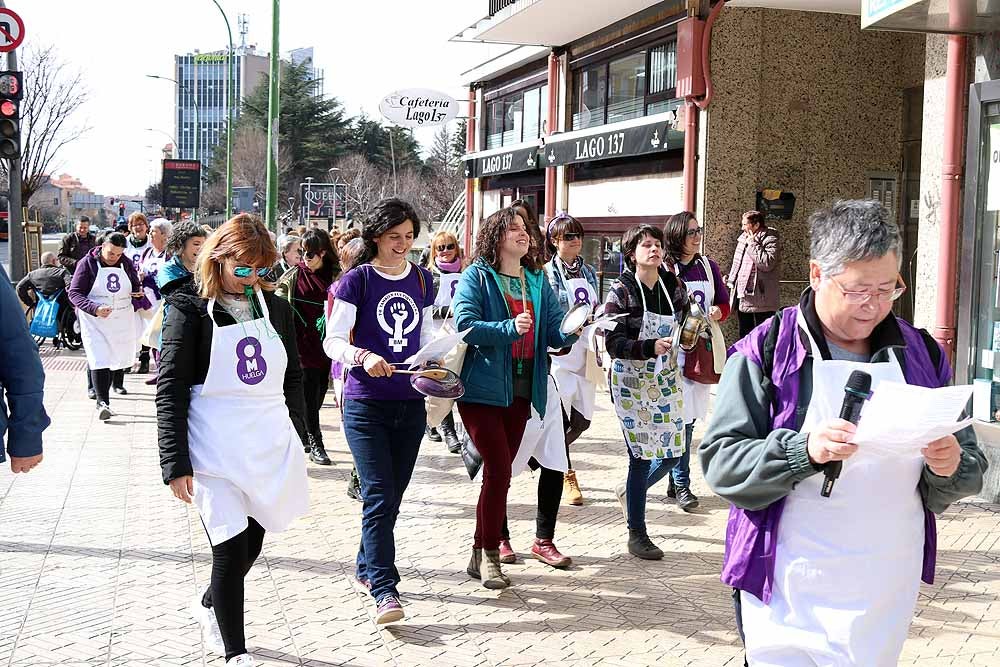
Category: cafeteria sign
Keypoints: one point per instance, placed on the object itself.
(417, 107)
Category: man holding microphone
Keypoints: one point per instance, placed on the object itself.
(831, 580)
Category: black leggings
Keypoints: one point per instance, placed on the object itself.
(550, 483)
(231, 561)
(101, 380)
(315, 382)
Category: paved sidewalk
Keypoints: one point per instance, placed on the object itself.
(98, 564)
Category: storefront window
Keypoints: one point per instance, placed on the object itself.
(515, 118)
(627, 88)
(986, 302)
(640, 83)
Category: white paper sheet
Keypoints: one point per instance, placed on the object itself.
(437, 348)
(900, 419)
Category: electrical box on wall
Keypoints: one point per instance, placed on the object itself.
(883, 187)
(690, 74)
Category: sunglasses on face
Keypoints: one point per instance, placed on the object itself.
(445, 246)
(247, 271)
(309, 255)
(571, 236)
(697, 231)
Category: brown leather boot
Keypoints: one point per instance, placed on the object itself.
(571, 489)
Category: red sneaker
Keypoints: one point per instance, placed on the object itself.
(507, 554)
(545, 551)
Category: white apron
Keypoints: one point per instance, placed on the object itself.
(847, 568)
(135, 254)
(247, 457)
(145, 318)
(110, 342)
(647, 394)
(447, 284)
(696, 394)
(570, 370)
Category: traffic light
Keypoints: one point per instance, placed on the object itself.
(10, 130)
(11, 92)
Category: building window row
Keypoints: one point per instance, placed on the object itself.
(516, 117)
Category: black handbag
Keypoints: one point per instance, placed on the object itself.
(471, 457)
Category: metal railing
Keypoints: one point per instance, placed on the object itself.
(496, 6)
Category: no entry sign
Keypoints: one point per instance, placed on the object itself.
(11, 30)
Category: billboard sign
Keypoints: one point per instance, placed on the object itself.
(323, 200)
(181, 183)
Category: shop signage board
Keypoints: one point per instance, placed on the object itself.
(418, 107)
(604, 144)
(504, 162)
(324, 200)
(181, 183)
(873, 11)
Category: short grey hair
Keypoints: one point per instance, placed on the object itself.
(49, 259)
(285, 242)
(852, 230)
(163, 226)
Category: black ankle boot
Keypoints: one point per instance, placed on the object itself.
(641, 546)
(450, 437)
(433, 435)
(318, 453)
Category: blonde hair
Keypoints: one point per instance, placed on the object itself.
(137, 217)
(243, 238)
(446, 237)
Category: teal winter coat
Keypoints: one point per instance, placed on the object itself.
(480, 306)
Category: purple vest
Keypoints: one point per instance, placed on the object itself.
(751, 535)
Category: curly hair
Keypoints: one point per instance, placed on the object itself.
(182, 233)
(385, 215)
(537, 248)
(490, 237)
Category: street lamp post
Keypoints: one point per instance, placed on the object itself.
(229, 117)
(305, 205)
(273, 105)
(194, 98)
(172, 138)
(336, 195)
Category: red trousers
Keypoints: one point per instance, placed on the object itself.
(496, 432)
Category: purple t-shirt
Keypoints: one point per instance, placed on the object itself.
(389, 318)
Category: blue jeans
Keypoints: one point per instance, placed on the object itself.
(643, 474)
(682, 471)
(384, 437)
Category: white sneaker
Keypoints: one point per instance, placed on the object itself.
(210, 633)
(620, 493)
(104, 412)
(245, 660)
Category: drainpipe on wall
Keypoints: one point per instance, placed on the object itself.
(691, 107)
(551, 127)
(470, 184)
(956, 92)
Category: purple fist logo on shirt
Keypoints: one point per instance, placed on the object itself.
(398, 316)
(250, 365)
(114, 283)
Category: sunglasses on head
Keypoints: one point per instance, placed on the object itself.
(247, 271)
(445, 246)
(571, 236)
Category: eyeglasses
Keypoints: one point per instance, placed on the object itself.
(858, 298)
(697, 231)
(247, 271)
(310, 255)
(445, 246)
(570, 236)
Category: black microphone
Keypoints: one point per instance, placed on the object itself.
(856, 392)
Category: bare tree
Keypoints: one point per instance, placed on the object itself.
(366, 183)
(249, 167)
(52, 95)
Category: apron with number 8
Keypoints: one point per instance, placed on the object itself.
(570, 370)
(245, 452)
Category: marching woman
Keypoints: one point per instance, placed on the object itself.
(305, 286)
(138, 245)
(155, 257)
(512, 318)
(446, 269)
(230, 416)
(384, 304)
(106, 293)
(705, 285)
(645, 384)
(574, 282)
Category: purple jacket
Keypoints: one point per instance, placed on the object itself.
(751, 535)
(86, 274)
